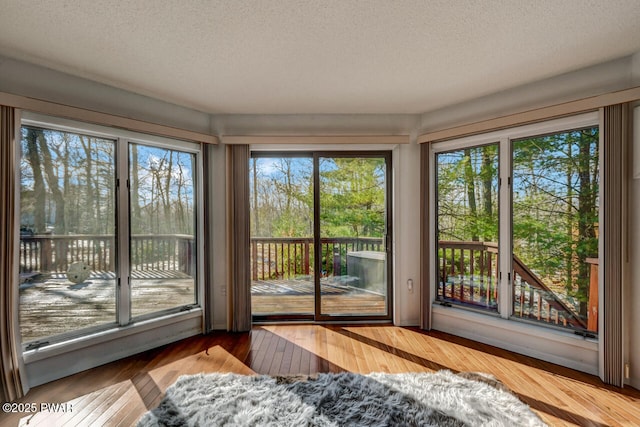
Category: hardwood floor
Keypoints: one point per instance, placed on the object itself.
(120, 392)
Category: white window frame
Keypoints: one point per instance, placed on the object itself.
(102, 344)
(548, 343)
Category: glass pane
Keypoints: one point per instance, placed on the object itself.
(163, 229)
(282, 274)
(555, 229)
(467, 226)
(353, 222)
(67, 232)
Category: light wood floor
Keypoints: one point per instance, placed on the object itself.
(120, 392)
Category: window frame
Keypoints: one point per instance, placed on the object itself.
(465, 321)
(123, 321)
(484, 143)
(315, 153)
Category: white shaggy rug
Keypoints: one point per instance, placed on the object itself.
(411, 399)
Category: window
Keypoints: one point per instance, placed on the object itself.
(108, 228)
(467, 226)
(163, 228)
(555, 228)
(516, 224)
(67, 224)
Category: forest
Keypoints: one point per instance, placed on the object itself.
(352, 197)
(68, 186)
(351, 209)
(67, 183)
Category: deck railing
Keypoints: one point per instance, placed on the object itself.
(468, 270)
(158, 252)
(469, 275)
(291, 257)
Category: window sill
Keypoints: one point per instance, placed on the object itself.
(104, 336)
(51, 362)
(553, 345)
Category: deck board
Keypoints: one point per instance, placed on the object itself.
(53, 305)
(277, 297)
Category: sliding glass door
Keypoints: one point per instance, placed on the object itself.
(354, 230)
(320, 233)
(282, 245)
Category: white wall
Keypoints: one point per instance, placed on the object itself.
(633, 295)
(314, 124)
(407, 235)
(632, 290)
(21, 78)
(602, 78)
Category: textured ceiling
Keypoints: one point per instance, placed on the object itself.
(318, 56)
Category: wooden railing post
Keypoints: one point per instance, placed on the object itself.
(182, 256)
(254, 260)
(62, 252)
(592, 314)
(185, 255)
(337, 264)
(46, 255)
(111, 265)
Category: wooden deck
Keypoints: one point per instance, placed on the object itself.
(55, 305)
(272, 297)
(117, 394)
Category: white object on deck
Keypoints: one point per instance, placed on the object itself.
(78, 272)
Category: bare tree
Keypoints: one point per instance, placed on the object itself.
(39, 196)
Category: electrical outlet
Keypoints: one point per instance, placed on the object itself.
(410, 285)
(223, 291)
(627, 371)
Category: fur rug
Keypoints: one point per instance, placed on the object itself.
(411, 399)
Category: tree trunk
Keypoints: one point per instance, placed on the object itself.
(487, 181)
(54, 187)
(586, 207)
(569, 253)
(471, 194)
(136, 221)
(170, 224)
(256, 215)
(39, 192)
(90, 202)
